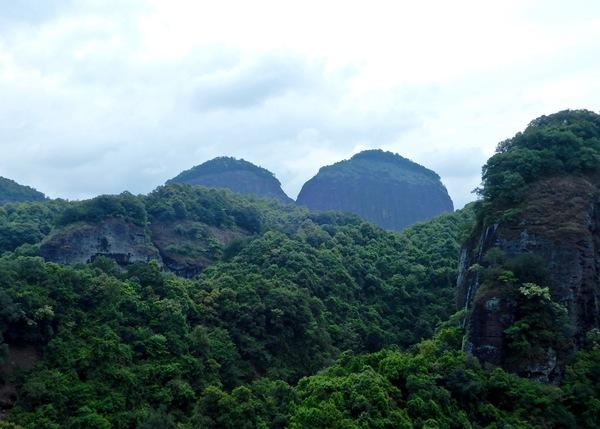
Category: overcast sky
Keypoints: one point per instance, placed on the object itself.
(101, 96)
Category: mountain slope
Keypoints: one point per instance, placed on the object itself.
(12, 192)
(236, 175)
(384, 188)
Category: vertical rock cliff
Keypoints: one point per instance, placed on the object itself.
(529, 277)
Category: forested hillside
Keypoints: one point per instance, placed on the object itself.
(193, 307)
(11, 192)
(119, 346)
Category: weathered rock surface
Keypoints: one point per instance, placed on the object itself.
(115, 238)
(187, 247)
(384, 188)
(559, 222)
(236, 175)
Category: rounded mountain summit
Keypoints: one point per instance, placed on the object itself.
(236, 175)
(384, 188)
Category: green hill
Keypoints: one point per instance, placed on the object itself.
(278, 302)
(12, 192)
(236, 175)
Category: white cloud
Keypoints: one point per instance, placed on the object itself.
(102, 96)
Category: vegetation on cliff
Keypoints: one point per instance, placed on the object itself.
(564, 143)
(529, 273)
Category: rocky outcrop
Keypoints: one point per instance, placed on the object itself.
(236, 175)
(12, 192)
(559, 224)
(187, 247)
(115, 238)
(384, 188)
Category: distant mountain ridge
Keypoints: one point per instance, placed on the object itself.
(12, 192)
(237, 175)
(384, 188)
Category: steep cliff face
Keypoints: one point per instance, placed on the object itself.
(115, 238)
(530, 276)
(559, 224)
(236, 175)
(382, 187)
(12, 192)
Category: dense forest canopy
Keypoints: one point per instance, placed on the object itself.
(567, 142)
(278, 304)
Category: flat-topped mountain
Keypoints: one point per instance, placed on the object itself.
(384, 188)
(236, 175)
(12, 192)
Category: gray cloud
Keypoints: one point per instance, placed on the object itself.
(249, 85)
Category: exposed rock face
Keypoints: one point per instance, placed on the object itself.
(12, 192)
(384, 188)
(187, 247)
(559, 222)
(236, 175)
(115, 238)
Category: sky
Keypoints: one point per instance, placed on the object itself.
(99, 97)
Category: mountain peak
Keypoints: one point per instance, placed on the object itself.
(237, 175)
(383, 187)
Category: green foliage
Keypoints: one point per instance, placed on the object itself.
(214, 207)
(540, 325)
(252, 341)
(27, 223)
(125, 206)
(12, 192)
(434, 386)
(140, 347)
(566, 142)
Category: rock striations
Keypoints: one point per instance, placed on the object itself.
(384, 188)
(236, 175)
